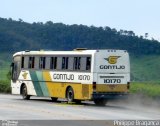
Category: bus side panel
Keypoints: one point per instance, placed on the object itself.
(49, 84)
(81, 91)
(25, 78)
(36, 83)
(15, 86)
(58, 89)
(30, 87)
(41, 84)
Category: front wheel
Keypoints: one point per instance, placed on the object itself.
(100, 102)
(70, 95)
(25, 96)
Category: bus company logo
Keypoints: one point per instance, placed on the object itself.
(112, 59)
(24, 75)
(112, 86)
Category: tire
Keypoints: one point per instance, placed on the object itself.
(54, 99)
(25, 96)
(100, 102)
(70, 95)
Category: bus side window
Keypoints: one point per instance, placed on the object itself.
(64, 63)
(31, 62)
(26, 60)
(77, 63)
(42, 62)
(83, 63)
(36, 66)
(70, 63)
(22, 62)
(88, 63)
(53, 63)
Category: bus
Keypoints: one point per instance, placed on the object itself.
(77, 75)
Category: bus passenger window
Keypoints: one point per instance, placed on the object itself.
(53, 63)
(31, 62)
(22, 62)
(42, 62)
(77, 63)
(88, 63)
(64, 63)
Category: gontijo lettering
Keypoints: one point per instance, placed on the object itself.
(111, 67)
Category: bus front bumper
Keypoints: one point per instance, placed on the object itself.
(109, 96)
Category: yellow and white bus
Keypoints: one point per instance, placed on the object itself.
(76, 75)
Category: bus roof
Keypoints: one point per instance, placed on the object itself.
(73, 52)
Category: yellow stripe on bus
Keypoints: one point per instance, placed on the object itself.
(47, 78)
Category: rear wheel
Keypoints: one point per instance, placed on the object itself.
(100, 102)
(54, 99)
(25, 95)
(70, 95)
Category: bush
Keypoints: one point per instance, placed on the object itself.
(151, 89)
(5, 87)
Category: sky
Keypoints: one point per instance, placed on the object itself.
(140, 16)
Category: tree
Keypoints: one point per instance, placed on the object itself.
(20, 20)
(146, 35)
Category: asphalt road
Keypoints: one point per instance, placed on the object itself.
(12, 107)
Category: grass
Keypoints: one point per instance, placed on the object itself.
(145, 68)
(3, 74)
(151, 89)
(5, 61)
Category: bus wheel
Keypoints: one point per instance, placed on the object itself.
(70, 95)
(24, 93)
(54, 99)
(100, 102)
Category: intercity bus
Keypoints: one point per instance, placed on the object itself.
(78, 75)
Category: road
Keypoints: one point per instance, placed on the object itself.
(12, 107)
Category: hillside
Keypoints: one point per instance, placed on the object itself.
(145, 68)
(18, 35)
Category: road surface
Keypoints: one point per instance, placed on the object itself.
(12, 107)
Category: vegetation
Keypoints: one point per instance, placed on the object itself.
(5, 61)
(151, 89)
(145, 68)
(19, 35)
(5, 86)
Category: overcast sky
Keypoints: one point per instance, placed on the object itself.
(140, 16)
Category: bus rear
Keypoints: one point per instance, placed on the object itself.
(111, 75)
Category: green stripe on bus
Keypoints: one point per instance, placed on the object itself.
(36, 84)
(42, 83)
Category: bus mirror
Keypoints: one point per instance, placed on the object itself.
(12, 64)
